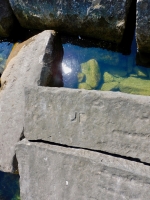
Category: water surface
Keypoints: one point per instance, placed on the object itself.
(101, 69)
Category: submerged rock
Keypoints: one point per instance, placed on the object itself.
(135, 86)
(84, 86)
(81, 77)
(110, 86)
(92, 72)
(140, 71)
(107, 77)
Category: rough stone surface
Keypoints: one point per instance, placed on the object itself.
(102, 19)
(112, 122)
(7, 19)
(142, 32)
(59, 173)
(143, 25)
(32, 62)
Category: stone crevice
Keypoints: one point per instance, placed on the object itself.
(137, 160)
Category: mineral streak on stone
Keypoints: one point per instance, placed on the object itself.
(103, 19)
(59, 173)
(31, 63)
(92, 72)
(7, 19)
(112, 122)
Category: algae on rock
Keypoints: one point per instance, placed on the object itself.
(110, 86)
(92, 73)
(81, 77)
(107, 77)
(134, 85)
(84, 86)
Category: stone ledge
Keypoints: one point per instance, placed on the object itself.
(113, 122)
(53, 172)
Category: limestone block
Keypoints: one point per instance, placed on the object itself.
(97, 19)
(113, 122)
(7, 19)
(59, 173)
(32, 62)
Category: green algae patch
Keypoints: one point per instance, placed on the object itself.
(84, 86)
(81, 77)
(110, 86)
(107, 77)
(134, 85)
(140, 71)
(92, 73)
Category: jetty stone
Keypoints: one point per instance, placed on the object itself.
(30, 63)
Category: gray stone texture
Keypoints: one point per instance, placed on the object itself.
(113, 122)
(7, 19)
(102, 19)
(49, 172)
(143, 25)
(30, 63)
(142, 32)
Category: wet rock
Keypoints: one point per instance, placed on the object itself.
(7, 19)
(107, 77)
(33, 62)
(140, 71)
(113, 122)
(104, 20)
(81, 77)
(135, 86)
(110, 86)
(92, 72)
(84, 86)
(71, 174)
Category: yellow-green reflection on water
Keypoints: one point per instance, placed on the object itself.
(100, 69)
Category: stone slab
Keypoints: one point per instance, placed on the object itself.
(59, 173)
(30, 63)
(101, 19)
(113, 122)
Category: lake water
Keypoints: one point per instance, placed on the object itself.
(100, 69)
(9, 186)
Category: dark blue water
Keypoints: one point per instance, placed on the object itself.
(9, 186)
(5, 49)
(115, 72)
